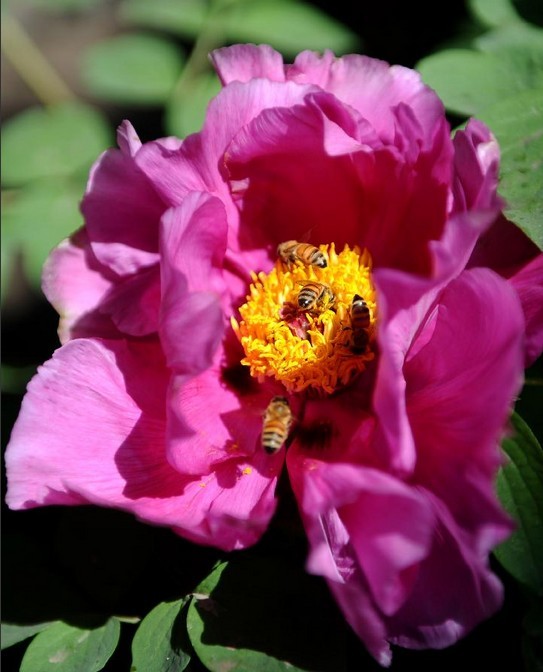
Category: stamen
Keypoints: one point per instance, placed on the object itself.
(313, 343)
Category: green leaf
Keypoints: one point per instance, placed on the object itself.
(185, 112)
(520, 489)
(160, 643)
(36, 218)
(62, 6)
(53, 142)
(13, 633)
(493, 13)
(263, 614)
(518, 125)
(70, 648)
(14, 379)
(289, 26)
(513, 34)
(470, 81)
(181, 17)
(134, 68)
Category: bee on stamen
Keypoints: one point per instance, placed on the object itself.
(360, 316)
(292, 251)
(276, 424)
(315, 295)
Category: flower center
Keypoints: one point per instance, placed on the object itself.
(310, 327)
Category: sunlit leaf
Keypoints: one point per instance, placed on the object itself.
(132, 68)
(13, 633)
(520, 488)
(289, 26)
(470, 81)
(69, 648)
(53, 142)
(517, 123)
(262, 614)
(181, 17)
(160, 643)
(186, 111)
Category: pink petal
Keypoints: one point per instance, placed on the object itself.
(455, 589)
(198, 440)
(370, 86)
(106, 447)
(76, 284)
(462, 383)
(127, 138)
(193, 244)
(134, 302)
(528, 283)
(243, 62)
(122, 212)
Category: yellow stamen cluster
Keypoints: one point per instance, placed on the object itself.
(312, 348)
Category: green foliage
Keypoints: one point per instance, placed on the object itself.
(288, 25)
(161, 643)
(492, 13)
(520, 489)
(185, 112)
(64, 647)
(262, 614)
(133, 68)
(13, 633)
(53, 142)
(518, 125)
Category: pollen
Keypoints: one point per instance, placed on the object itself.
(315, 343)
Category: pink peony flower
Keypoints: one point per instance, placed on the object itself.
(179, 325)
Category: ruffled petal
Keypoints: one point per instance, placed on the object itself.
(122, 213)
(106, 447)
(193, 244)
(372, 87)
(461, 384)
(528, 283)
(436, 616)
(75, 283)
(243, 62)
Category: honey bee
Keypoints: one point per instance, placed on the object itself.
(276, 425)
(292, 251)
(315, 295)
(360, 321)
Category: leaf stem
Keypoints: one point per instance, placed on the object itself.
(31, 65)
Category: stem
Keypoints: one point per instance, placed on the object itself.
(31, 65)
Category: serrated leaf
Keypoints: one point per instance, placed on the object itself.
(185, 112)
(263, 614)
(289, 26)
(68, 648)
(185, 17)
(469, 81)
(520, 489)
(133, 68)
(517, 123)
(36, 218)
(161, 643)
(53, 142)
(493, 13)
(13, 633)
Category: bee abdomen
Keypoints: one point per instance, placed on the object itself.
(272, 440)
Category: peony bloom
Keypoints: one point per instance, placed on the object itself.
(179, 324)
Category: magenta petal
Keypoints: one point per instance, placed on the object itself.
(372, 87)
(193, 245)
(122, 213)
(243, 62)
(528, 283)
(75, 284)
(462, 383)
(455, 589)
(127, 138)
